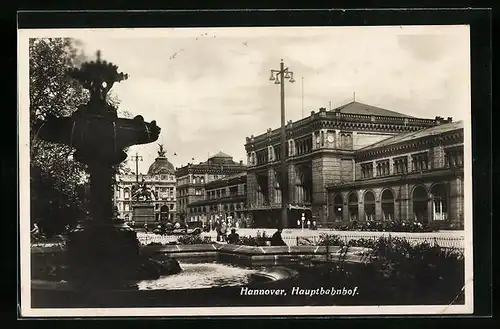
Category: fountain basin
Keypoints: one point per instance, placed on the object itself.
(229, 268)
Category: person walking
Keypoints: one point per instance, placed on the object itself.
(223, 231)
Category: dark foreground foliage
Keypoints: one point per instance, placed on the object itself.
(397, 272)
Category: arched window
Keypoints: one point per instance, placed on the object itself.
(338, 207)
(353, 206)
(387, 205)
(439, 202)
(277, 191)
(369, 204)
(126, 193)
(420, 198)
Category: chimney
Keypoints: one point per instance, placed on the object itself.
(450, 119)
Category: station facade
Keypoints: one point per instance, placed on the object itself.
(324, 154)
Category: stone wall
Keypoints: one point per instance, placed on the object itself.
(251, 188)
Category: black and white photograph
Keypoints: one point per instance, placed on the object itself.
(245, 171)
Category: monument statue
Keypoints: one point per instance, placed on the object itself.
(161, 152)
(142, 192)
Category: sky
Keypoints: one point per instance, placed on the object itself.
(209, 89)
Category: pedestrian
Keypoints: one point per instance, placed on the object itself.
(218, 230)
(223, 230)
(276, 239)
(234, 237)
(35, 229)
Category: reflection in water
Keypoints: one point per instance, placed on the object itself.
(203, 275)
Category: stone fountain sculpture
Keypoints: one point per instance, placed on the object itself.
(101, 251)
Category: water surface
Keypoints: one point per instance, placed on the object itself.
(201, 275)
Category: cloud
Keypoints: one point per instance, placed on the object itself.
(216, 91)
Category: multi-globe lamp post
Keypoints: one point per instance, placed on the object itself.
(279, 77)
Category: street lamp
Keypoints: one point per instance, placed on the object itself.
(302, 220)
(279, 76)
(136, 158)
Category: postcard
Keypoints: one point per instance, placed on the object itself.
(245, 171)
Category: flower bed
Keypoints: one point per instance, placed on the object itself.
(395, 226)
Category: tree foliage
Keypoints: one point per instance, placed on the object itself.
(57, 181)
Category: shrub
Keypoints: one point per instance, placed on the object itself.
(193, 239)
(330, 240)
(256, 241)
(388, 226)
(398, 271)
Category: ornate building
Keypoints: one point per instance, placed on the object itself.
(159, 180)
(224, 198)
(416, 176)
(191, 180)
(321, 151)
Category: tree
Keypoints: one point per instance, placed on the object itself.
(57, 181)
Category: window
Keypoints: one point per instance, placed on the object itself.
(126, 207)
(367, 170)
(383, 168)
(262, 157)
(420, 162)
(401, 165)
(346, 140)
(198, 191)
(277, 152)
(126, 194)
(304, 145)
(454, 158)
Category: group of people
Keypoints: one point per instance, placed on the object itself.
(233, 238)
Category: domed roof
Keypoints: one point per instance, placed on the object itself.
(221, 158)
(161, 164)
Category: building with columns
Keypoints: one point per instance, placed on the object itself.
(416, 176)
(224, 199)
(192, 178)
(321, 152)
(160, 180)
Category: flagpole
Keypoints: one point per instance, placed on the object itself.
(302, 97)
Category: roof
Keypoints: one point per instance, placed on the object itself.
(161, 166)
(365, 109)
(229, 177)
(436, 130)
(221, 155)
(220, 158)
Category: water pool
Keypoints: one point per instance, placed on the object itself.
(201, 275)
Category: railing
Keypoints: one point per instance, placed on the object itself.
(297, 237)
